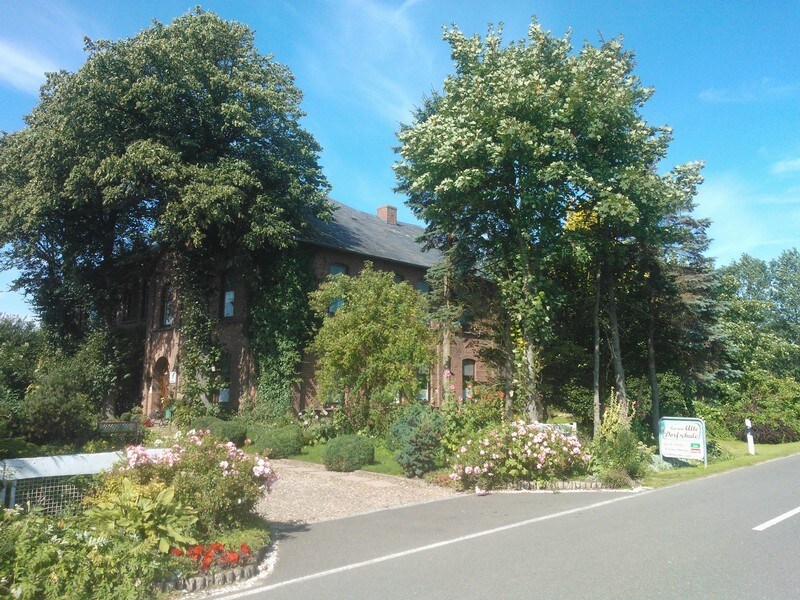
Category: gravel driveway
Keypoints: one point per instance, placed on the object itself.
(307, 493)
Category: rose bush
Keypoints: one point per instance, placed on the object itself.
(219, 481)
(517, 452)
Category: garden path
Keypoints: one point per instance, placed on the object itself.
(308, 493)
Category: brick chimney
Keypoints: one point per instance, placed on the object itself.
(388, 214)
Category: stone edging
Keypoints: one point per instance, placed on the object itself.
(210, 580)
(559, 485)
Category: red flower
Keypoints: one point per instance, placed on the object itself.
(231, 557)
(206, 562)
(177, 552)
(216, 547)
(245, 549)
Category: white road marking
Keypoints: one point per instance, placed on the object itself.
(457, 540)
(777, 519)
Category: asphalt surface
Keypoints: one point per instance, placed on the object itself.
(692, 540)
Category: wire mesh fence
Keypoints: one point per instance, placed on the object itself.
(51, 483)
(50, 494)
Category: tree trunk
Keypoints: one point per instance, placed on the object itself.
(109, 314)
(596, 372)
(533, 404)
(446, 338)
(619, 372)
(445, 366)
(651, 370)
(508, 374)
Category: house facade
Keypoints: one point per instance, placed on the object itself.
(342, 245)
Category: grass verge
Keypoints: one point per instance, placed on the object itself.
(739, 458)
(384, 463)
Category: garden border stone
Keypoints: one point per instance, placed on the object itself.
(217, 579)
(559, 486)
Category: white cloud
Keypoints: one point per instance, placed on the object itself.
(375, 57)
(746, 219)
(23, 69)
(765, 89)
(786, 166)
(39, 36)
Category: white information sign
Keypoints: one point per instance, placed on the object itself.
(682, 437)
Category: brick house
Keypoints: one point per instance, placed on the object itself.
(340, 246)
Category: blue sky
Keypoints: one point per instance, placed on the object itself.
(726, 75)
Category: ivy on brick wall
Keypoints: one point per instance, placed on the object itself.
(200, 351)
(279, 327)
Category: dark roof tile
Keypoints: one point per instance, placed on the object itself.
(368, 235)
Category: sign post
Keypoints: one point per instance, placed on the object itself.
(748, 424)
(682, 437)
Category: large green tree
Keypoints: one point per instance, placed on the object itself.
(183, 136)
(372, 346)
(522, 136)
(761, 321)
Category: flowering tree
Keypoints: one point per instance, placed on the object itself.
(522, 136)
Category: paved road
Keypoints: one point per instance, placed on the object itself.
(693, 540)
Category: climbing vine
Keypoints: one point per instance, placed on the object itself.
(200, 349)
(279, 328)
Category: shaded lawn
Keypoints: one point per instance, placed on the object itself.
(384, 463)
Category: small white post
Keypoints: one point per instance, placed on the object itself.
(751, 448)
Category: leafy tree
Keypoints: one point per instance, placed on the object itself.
(183, 135)
(521, 137)
(761, 322)
(21, 344)
(371, 346)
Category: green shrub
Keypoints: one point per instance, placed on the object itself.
(773, 405)
(415, 437)
(616, 478)
(54, 412)
(318, 426)
(84, 562)
(10, 413)
(464, 419)
(218, 480)
(617, 446)
(156, 521)
(716, 452)
(280, 442)
(18, 448)
(253, 530)
(623, 451)
(102, 445)
(231, 431)
(348, 453)
(714, 418)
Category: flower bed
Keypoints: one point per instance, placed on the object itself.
(221, 482)
(517, 452)
(142, 524)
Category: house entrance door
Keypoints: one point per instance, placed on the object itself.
(161, 375)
